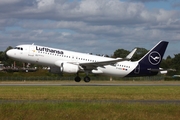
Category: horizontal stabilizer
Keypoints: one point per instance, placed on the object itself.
(155, 70)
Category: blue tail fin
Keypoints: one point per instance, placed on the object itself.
(149, 64)
(154, 57)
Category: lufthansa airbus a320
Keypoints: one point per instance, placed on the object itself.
(61, 60)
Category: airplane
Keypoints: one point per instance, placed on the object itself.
(66, 61)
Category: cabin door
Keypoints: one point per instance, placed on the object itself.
(31, 51)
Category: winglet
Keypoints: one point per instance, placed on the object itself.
(130, 55)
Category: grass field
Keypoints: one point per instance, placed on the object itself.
(89, 102)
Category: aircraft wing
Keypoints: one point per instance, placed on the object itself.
(102, 63)
(93, 65)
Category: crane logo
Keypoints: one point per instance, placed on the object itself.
(154, 58)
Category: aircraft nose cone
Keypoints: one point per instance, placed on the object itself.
(9, 53)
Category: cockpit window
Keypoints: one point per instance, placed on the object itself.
(18, 48)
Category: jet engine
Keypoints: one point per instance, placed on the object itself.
(64, 67)
(69, 68)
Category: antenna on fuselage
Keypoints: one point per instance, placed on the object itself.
(33, 44)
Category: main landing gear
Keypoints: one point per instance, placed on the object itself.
(87, 79)
(78, 79)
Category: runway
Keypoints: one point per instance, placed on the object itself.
(93, 83)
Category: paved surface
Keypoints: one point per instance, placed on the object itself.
(93, 83)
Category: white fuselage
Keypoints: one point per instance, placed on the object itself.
(49, 56)
(61, 61)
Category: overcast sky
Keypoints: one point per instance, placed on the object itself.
(91, 26)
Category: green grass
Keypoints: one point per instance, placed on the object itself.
(90, 93)
(88, 102)
(88, 111)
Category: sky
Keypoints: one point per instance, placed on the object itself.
(91, 26)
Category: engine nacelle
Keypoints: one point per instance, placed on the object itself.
(64, 67)
(70, 68)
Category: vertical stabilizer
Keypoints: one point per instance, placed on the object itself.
(149, 64)
(154, 57)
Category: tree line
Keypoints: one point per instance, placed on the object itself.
(167, 63)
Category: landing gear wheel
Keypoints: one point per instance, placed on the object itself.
(87, 79)
(77, 79)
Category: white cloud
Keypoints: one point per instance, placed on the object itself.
(103, 24)
(45, 5)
